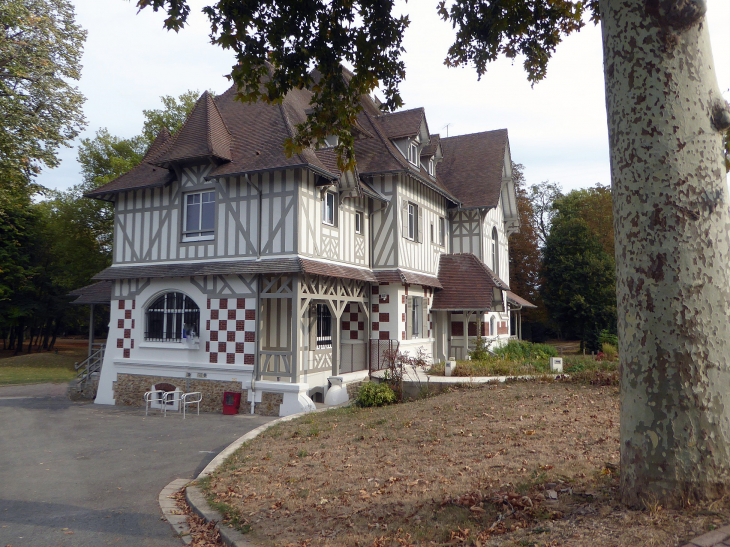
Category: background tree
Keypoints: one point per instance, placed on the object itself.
(525, 258)
(40, 54)
(542, 196)
(666, 117)
(53, 246)
(578, 271)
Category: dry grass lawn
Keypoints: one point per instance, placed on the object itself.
(34, 368)
(521, 464)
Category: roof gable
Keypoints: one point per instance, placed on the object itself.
(472, 167)
(203, 135)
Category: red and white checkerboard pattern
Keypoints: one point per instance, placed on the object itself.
(125, 325)
(231, 331)
(353, 323)
(380, 319)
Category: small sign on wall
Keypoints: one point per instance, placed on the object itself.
(556, 364)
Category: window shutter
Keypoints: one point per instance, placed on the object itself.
(419, 225)
(424, 322)
(336, 211)
(404, 215)
(312, 326)
(409, 314)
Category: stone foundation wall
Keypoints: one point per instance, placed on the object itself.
(354, 387)
(129, 390)
(270, 403)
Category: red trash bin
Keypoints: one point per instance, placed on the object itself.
(231, 402)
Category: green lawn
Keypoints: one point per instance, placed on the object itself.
(39, 368)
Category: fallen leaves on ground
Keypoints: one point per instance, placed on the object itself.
(526, 463)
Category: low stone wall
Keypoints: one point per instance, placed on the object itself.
(86, 391)
(129, 390)
(270, 404)
(354, 388)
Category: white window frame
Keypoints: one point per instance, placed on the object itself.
(431, 166)
(358, 222)
(442, 231)
(325, 208)
(413, 153)
(412, 219)
(199, 234)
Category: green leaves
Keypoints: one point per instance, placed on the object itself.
(286, 44)
(532, 28)
(40, 54)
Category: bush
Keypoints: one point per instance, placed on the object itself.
(481, 351)
(372, 394)
(520, 349)
(610, 352)
(605, 337)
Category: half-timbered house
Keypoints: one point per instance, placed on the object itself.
(237, 268)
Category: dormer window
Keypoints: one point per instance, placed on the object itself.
(431, 167)
(330, 141)
(413, 153)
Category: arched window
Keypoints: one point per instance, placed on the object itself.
(172, 317)
(495, 251)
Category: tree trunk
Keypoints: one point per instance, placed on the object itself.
(19, 337)
(671, 223)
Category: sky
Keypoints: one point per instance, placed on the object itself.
(557, 128)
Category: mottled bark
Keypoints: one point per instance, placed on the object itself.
(671, 222)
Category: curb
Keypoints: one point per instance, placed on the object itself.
(231, 537)
(716, 538)
(170, 512)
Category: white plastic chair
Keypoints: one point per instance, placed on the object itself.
(153, 396)
(192, 398)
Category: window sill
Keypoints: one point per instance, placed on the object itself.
(328, 223)
(171, 345)
(187, 239)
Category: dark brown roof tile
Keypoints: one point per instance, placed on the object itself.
(472, 167)
(467, 284)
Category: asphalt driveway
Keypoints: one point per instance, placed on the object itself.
(79, 474)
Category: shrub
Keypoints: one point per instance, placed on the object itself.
(481, 351)
(372, 394)
(609, 351)
(521, 349)
(605, 337)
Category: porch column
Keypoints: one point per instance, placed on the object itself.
(336, 339)
(91, 329)
(466, 335)
(295, 326)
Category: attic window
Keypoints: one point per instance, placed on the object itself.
(431, 166)
(413, 153)
(330, 141)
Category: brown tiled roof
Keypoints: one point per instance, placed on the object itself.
(271, 265)
(467, 283)
(380, 155)
(144, 175)
(405, 123)
(328, 269)
(512, 297)
(253, 134)
(430, 148)
(96, 293)
(203, 135)
(472, 167)
(407, 278)
(274, 265)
